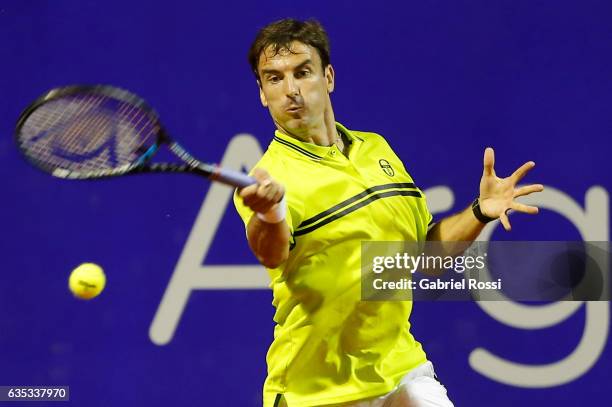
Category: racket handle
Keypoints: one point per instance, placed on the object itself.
(233, 178)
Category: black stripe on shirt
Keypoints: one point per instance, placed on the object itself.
(357, 197)
(355, 207)
(297, 148)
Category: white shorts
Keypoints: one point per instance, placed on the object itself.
(419, 388)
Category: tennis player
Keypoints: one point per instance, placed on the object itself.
(322, 190)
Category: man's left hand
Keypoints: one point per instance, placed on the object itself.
(497, 195)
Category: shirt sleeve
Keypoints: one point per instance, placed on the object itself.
(426, 216)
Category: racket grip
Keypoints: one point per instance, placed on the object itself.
(233, 178)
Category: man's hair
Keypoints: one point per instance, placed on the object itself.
(280, 34)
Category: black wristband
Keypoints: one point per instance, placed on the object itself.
(478, 213)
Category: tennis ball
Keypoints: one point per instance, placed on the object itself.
(87, 281)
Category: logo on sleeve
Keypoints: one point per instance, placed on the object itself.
(386, 167)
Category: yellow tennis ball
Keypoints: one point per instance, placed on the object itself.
(87, 281)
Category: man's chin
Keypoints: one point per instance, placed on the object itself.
(296, 125)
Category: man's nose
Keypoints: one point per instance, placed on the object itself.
(291, 87)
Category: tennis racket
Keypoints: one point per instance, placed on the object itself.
(89, 132)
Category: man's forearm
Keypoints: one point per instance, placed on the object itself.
(461, 227)
(269, 241)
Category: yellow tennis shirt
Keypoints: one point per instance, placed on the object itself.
(329, 346)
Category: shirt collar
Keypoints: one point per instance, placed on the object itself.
(310, 150)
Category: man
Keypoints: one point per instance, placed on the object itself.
(323, 189)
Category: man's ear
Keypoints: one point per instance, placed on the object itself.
(330, 77)
(262, 97)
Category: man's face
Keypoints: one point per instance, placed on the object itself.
(295, 87)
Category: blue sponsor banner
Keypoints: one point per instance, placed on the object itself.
(186, 317)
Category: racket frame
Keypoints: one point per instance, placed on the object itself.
(141, 165)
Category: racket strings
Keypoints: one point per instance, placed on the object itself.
(54, 131)
(86, 137)
(88, 133)
(66, 146)
(144, 127)
(48, 118)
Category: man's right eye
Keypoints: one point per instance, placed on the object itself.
(273, 79)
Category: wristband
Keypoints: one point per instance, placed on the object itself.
(276, 214)
(478, 213)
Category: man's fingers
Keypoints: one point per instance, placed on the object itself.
(505, 221)
(264, 188)
(278, 195)
(263, 200)
(253, 194)
(519, 207)
(260, 174)
(265, 203)
(251, 200)
(247, 191)
(261, 197)
(488, 162)
(522, 171)
(529, 189)
(271, 193)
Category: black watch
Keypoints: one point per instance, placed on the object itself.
(478, 213)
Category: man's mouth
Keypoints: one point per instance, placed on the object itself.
(294, 108)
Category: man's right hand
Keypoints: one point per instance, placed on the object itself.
(262, 197)
(267, 232)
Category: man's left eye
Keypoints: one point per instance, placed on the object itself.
(303, 73)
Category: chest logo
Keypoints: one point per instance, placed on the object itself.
(386, 167)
